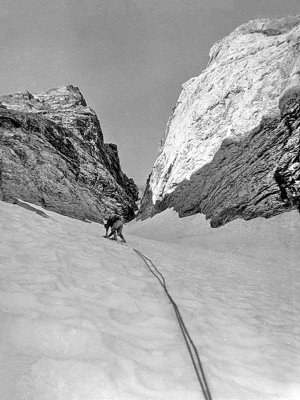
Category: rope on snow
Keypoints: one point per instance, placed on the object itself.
(187, 338)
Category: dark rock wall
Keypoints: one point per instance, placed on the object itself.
(52, 153)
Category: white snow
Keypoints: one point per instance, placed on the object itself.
(81, 318)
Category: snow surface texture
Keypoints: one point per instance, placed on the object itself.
(82, 318)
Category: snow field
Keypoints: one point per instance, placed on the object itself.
(81, 317)
(238, 288)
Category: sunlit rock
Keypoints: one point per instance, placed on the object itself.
(232, 128)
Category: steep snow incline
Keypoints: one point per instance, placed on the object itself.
(82, 318)
(239, 289)
(276, 237)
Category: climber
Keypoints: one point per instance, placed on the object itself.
(116, 224)
(109, 222)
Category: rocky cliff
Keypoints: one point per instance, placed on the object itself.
(231, 148)
(52, 153)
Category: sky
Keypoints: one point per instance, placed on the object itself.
(128, 57)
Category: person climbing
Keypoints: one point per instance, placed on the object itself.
(109, 222)
(116, 224)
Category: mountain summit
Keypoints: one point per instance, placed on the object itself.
(52, 153)
(231, 147)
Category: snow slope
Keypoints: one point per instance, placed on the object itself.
(82, 318)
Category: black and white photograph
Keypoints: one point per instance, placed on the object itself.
(150, 200)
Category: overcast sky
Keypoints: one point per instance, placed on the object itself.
(128, 57)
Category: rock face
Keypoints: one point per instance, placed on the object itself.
(233, 128)
(52, 153)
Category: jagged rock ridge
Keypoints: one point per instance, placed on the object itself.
(233, 128)
(52, 153)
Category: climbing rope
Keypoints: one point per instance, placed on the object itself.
(187, 338)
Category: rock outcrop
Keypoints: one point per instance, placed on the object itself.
(52, 153)
(231, 148)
